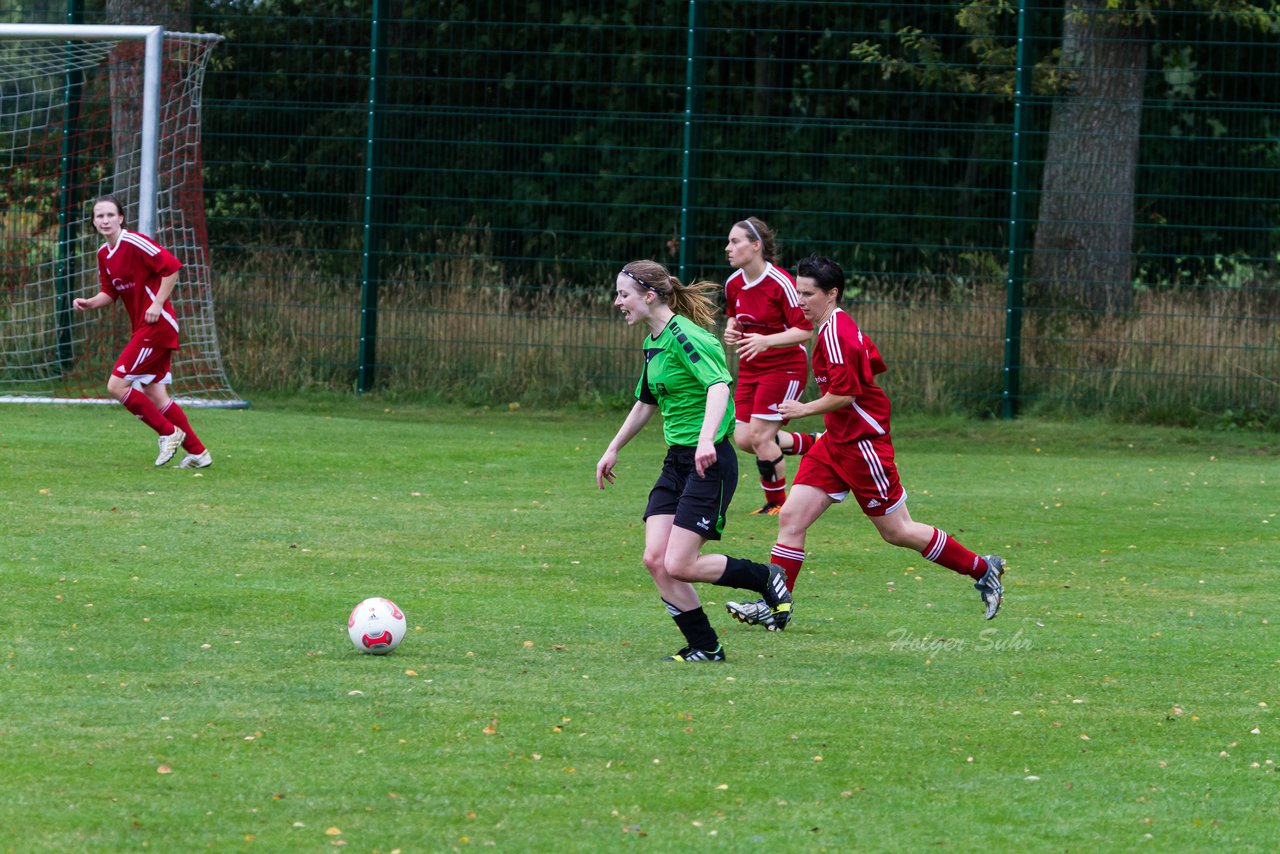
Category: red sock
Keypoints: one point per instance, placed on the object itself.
(775, 491)
(790, 559)
(945, 551)
(140, 405)
(799, 444)
(191, 444)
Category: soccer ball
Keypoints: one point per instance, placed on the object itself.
(376, 626)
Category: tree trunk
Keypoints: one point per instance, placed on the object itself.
(1082, 254)
(126, 88)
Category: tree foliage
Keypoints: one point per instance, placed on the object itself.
(1100, 174)
(557, 129)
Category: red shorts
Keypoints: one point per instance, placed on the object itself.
(142, 364)
(759, 396)
(864, 468)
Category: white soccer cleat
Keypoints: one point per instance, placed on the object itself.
(169, 445)
(751, 613)
(196, 461)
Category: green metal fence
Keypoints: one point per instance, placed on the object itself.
(1041, 206)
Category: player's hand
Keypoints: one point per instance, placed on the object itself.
(705, 457)
(732, 334)
(80, 304)
(152, 313)
(604, 469)
(751, 345)
(791, 409)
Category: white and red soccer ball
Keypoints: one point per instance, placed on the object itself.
(376, 626)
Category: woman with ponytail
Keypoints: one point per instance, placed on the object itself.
(766, 326)
(685, 377)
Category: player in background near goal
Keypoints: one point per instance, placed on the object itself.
(765, 325)
(140, 273)
(855, 454)
(686, 378)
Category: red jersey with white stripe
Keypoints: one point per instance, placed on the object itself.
(845, 362)
(766, 306)
(131, 272)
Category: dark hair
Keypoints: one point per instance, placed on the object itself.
(693, 301)
(826, 274)
(113, 200)
(755, 227)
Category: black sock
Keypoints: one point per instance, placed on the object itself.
(697, 629)
(744, 575)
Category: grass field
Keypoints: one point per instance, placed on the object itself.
(177, 675)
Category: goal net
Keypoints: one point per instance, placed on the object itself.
(87, 111)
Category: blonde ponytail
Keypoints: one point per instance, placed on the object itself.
(695, 301)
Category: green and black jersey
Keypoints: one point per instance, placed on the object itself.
(680, 363)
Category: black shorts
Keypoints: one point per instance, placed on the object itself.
(698, 503)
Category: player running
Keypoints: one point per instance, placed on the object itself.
(766, 326)
(855, 454)
(136, 270)
(686, 379)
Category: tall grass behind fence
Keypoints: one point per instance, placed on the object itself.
(522, 152)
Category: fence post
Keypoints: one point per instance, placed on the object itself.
(1010, 396)
(692, 99)
(371, 251)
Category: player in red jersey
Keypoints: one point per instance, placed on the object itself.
(855, 454)
(140, 273)
(764, 322)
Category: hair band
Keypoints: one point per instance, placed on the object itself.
(747, 223)
(633, 277)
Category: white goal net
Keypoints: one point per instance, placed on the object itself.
(84, 112)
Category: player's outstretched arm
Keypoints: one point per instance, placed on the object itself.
(753, 344)
(635, 421)
(98, 300)
(792, 409)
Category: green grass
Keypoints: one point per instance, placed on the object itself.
(195, 623)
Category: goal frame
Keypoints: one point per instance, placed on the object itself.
(148, 190)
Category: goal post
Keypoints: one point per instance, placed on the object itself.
(86, 111)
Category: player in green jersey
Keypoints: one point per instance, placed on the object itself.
(686, 379)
